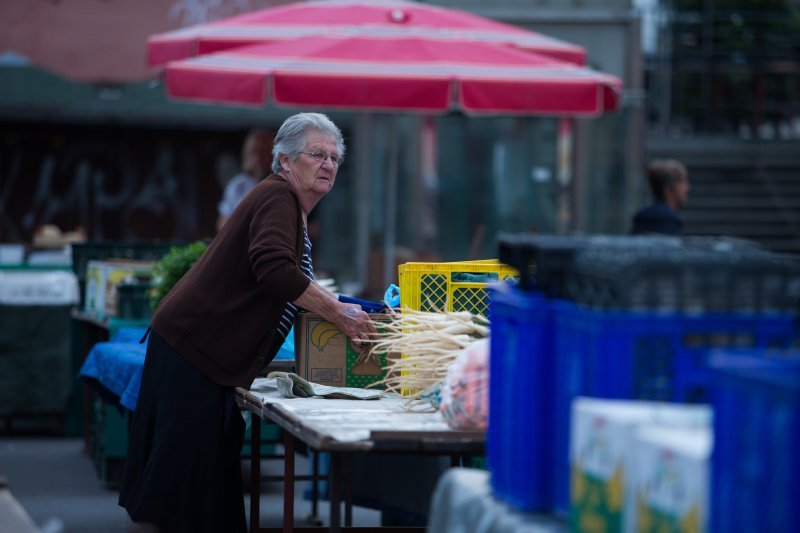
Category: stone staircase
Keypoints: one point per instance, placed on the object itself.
(751, 191)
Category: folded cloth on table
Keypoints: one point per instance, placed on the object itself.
(290, 385)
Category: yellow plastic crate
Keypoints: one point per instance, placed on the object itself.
(438, 287)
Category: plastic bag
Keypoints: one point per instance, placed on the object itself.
(392, 296)
(465, 391)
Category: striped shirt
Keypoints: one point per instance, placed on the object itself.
(287, 319)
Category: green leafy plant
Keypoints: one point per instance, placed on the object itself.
(170, 268)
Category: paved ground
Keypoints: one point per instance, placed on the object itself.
(58, 486)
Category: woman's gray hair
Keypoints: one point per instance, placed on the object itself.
(291, 137)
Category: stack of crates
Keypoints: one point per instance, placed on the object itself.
(660, 273)
(693, 275)
(550, 345)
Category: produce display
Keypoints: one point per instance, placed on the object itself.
(172, 267)
(428, 344)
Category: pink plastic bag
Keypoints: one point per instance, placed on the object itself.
(465, 391)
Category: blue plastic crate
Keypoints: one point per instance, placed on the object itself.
(547, 352)
(645, 356)
(755, 462)
(519, 453)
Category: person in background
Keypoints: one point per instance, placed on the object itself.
(669, 183)
(219, 326)
(256, 159)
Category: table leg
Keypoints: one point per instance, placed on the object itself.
(288, 481)
(255, 473)
(314, 483)
(87, 419)
(334, 487)
(88, 339)
(91, 335)
(347, 469)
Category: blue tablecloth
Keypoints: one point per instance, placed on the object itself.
(114, 368)
(128, 334)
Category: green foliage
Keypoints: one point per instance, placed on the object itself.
(172, 267)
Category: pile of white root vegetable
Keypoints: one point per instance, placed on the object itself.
(422, 345)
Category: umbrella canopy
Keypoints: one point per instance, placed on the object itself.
(367, 18)
(394, 74)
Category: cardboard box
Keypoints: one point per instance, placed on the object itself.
(102, 278)
(670, 479)
(324, 355)
(601, 444)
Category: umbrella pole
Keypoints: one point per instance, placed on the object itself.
(391, 206)
(364, 125)
(564, 174)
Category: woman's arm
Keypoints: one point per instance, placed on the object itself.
(350, 318)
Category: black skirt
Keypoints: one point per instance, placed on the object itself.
(182, 470)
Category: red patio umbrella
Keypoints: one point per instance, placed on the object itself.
(367, 72)
(367, 18)
(394, 74)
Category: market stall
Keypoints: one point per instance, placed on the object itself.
(35, 366)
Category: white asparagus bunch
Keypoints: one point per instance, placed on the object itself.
(428, 344)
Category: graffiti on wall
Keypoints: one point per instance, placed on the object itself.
(128, 185)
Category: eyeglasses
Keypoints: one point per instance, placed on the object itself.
(320, 157)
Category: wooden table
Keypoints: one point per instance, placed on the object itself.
(341, 428)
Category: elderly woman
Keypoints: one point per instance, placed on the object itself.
(217, 328)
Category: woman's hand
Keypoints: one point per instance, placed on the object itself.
(355, 323)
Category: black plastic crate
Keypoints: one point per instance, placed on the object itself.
(133, 300)
(655, 272)
(542, 260)
(546, 261)
(699, 276)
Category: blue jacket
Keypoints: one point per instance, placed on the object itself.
(658, 218)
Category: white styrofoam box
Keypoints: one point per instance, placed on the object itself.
(51, 257)
(670, 477)
(600, 439)
(56, 287)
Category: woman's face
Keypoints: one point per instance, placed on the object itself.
(306, 174)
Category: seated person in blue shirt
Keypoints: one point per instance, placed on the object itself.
(669, 182)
